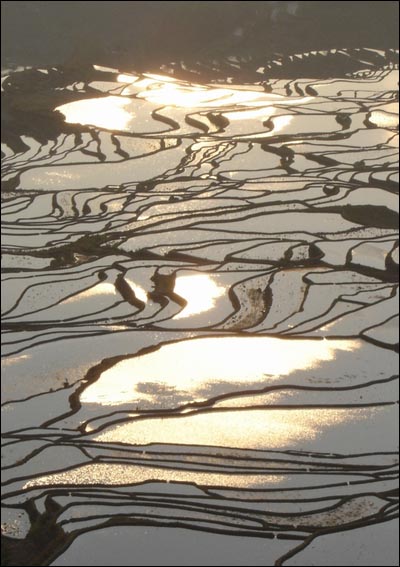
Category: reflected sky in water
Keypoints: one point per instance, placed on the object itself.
(383, 119)
(109, 112)
(9, 361)
(171, 92)
(196, 244)
(120, 112)
(138, 290)
(103, 288)
(180, 95)
(125, 78)
(114, 474)
(256, 429)
(200, 291)
(193, 368)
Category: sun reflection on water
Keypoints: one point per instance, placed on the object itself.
(125, 78)
(14, 359)
(194, 367)
(200, 291)
(108, 112)
(103, 288)
(138, 290)
(121, 112)
(253, 428)
(115, 474)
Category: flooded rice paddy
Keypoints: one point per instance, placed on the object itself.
(199, 301)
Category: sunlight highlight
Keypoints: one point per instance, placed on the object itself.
(200, 291)
(195, 368)
(125, 78)
(383, 119)
(255, 429)
(175, 94)
(107, 112)
(102, 288)
(14, 359)
(138, 290)
(114, 474)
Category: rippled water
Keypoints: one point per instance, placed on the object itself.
(200, 309)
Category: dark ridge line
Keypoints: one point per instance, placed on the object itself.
(214, 156)
(208, 467)
(210, 520)
(308, 541)
(221, 333)
(245, 393)
(109, 493)
(204, 507)
(264, 524)
(226, 458)
(207, 489)
(164, 414)
(94, 373)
